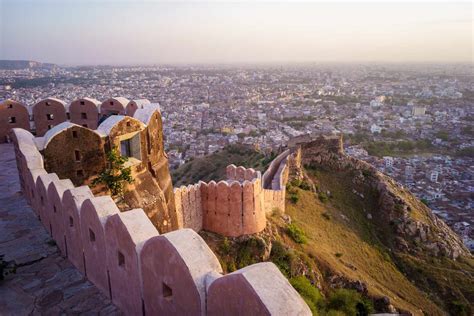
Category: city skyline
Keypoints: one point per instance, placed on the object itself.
(126, 33)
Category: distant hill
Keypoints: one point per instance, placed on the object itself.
(24, 64)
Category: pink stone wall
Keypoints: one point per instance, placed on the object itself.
(175, 273)
(113, 106)
(231, 208)
(47, 113)
(174, 268)
(72, 203)
(54, 211)
(125, 234)
(13, 114)
(94, 214)
(40, 202)
(84, 112)
(262, 290)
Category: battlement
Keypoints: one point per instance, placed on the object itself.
(144, 272)
(45, 114)
(237, 206)
(78, 153)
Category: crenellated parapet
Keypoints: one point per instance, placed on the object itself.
(145, 272)
(47, 113)
(236, 206)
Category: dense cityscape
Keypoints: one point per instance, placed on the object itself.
(413, 122)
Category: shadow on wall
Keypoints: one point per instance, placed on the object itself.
(141, 271)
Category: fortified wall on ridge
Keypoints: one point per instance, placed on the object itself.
(125, 256)
(74, 140)
(236, 206)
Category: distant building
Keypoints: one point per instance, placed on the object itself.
(374, 128)
(418, 110)
(388, 161)
(434, 176)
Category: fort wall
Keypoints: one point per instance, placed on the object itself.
(73, 150)
(45, 114)
(237, 206)
(124, 256)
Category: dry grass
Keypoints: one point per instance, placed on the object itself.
(354, 252)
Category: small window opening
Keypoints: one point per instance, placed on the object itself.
(42, 200)
(167, 292)
(12, 120)
(121, 259)
(91, 235)
(50, 117)
(74, 134)
(111, 102)
(54, 208)
(82, 103)
(47, 103)
(83, 115)
(79, 173)
(128, 124)
(50, 126)
(10, 106)
(77, 155)
(71, 221)
(85, 125)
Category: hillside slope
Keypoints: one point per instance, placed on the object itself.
(347, 226)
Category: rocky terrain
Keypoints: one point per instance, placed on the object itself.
(352, 239)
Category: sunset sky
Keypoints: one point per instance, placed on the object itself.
(155, 32)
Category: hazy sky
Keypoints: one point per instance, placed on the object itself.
(147, 32)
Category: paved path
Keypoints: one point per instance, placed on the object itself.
(45, 283)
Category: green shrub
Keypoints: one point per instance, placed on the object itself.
(225, 246)
(309, 293)
(349, 302)
(283, 258)
(305, 186)
(294, 198)
(323, 197)
(458, 308)
(296, 233)
(115, 175)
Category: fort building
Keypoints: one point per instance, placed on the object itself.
(84, 112)
(47, 114)
(143, 257)
(13, 114)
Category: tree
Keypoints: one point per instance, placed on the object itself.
(115, 174)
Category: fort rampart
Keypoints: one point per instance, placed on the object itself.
(45, 114)
(144, 272)
(236, 206)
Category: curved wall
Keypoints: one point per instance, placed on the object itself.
(124, 256)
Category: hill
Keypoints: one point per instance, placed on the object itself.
(352, 241)
(23, 64)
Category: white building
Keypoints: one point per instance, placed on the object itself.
(388, 161)
(434, 176)
(375, 129)
(418, 110)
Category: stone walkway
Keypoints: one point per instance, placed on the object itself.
(45, 283)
